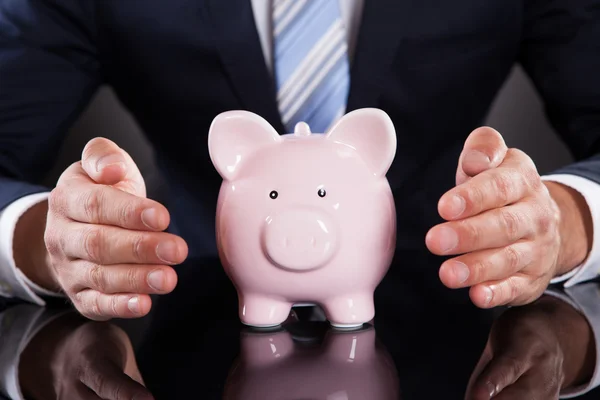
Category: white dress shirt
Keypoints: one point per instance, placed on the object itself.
(13, 283)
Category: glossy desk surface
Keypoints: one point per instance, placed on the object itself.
(421, 345)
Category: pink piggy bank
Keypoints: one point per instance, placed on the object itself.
(305, 218)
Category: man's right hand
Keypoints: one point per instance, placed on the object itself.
(105, 242)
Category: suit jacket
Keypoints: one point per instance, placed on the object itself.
(434, 66)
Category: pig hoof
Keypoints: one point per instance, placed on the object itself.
(347, 326)
(261, 326)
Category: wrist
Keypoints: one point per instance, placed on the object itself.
(29, 248)
(565, 322)
(575, 226)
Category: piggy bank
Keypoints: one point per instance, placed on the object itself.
(304, 218)
(331, 365)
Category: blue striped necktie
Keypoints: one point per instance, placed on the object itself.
(310, 62)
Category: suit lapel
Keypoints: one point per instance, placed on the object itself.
(379, 36)
(239, 46)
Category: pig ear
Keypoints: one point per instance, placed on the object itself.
(234, 136)
(371, 133)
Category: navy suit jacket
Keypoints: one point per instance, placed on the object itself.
(433, 65)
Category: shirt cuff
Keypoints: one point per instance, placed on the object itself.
(13, 282)
(591, 193)
(585, 298)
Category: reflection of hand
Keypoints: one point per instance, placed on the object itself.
(75, 359)
(533, 352)
(504, 225)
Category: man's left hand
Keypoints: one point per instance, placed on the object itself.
(505, 225)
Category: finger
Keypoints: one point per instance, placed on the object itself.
(106, 163)
(102, 307)
(124, 278)
(111, 245)
(486, 265)
(105, 205)
(111, 383)
(491, 189)
(515, 290)
(496, 228)
(484, 149)
(473, 392)
(82, 392)
(500, 372)
(532, 385)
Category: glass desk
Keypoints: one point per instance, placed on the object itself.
(426, 342)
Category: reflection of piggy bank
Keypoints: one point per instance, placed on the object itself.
(341, 366)
(305, 218)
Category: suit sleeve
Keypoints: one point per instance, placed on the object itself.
(560, 51)
(49, 70)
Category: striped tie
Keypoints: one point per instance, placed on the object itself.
(311, 62)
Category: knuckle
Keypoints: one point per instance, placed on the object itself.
(114, 305)
(547, 220)
(99, 382)
(57, 200)
(133, 280)
(92, 244)
(514, 366)
(503, 186)
(478, 269)
(513, 260)
(511, 224)
(137, 245)
(126, 214)
(96, 278)
(475, 196)
(87, 305)
(52, 241)
(513, 288)
(472, 233)
(91, 200)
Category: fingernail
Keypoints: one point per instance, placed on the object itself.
(457, 206)
(112, 159)
(448, 239)
(491, 388)
(461, 271)
(150, 218)
(167, 252)
(156, 280)
(476, 157)
(134, 305)
(488, 294)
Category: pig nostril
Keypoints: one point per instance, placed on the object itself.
(286, 242)
(313, 241)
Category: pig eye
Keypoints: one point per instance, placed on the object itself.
(321, 192)
(273, 194)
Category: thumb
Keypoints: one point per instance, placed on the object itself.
(106, 163)
(484, 149)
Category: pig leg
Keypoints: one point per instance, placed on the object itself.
(350, 311)
(261, 311)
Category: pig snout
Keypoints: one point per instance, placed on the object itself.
(300, 239)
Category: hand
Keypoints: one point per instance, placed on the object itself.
(73, 358)
(104, 237)
(533, 352)
(506, 226)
